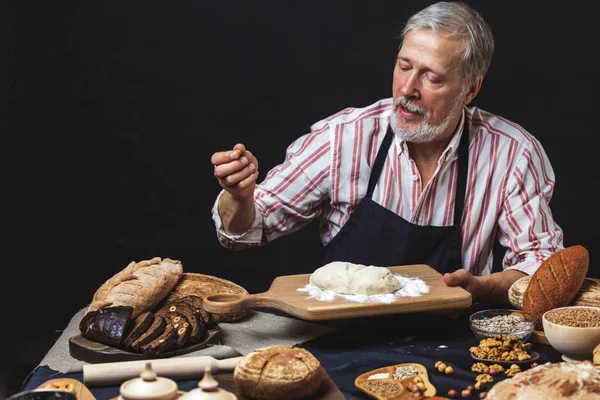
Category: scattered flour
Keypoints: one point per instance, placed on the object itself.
(411, 287)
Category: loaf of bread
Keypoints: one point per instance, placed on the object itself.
(140, 285)
(278, 372)
(556, 282)
(200, 285)
(559, 381)
(588, 294)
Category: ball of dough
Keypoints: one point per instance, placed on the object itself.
(347, 278)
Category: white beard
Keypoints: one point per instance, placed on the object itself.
(424, 132)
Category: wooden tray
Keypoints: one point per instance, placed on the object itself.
(91, 351)
(401, 384)
(284, 296)
(79, 389)
(327, 391)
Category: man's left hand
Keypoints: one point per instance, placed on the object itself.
(464, 279)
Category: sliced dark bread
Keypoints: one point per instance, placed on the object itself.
(196, 302)
(155, 330)
(197, 325)
(162, 343)
(140, 325)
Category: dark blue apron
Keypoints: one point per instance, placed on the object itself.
(374, 235)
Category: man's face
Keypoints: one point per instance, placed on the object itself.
(427, 88)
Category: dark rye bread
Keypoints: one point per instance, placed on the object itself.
(556, 282)
(175, 310)
(155, 330)
(200, 285)
(162, 343)
(140, 325)
(107, 325)
(195, 302)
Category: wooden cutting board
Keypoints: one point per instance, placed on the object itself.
(91, 351)
(283, 295)
(70, 385)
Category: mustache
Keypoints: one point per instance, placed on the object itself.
(408, 105)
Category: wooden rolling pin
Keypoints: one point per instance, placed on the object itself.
(173, 368)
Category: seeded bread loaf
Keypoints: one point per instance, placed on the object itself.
(200, 285)
(278, 372)
(140, 285)
(556, 282)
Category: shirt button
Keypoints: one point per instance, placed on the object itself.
(414, 178)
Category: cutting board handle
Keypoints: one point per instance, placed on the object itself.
(227, 303)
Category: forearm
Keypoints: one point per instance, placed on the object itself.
(493, 288)
(237, 213)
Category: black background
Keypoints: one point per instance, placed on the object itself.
(115, 108)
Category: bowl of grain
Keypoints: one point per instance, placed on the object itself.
(502, 321)
(574, 331)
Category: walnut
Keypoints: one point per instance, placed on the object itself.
(513, 370)
(485, 378)
(478, 367)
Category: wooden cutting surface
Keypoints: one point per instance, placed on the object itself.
(283, 295)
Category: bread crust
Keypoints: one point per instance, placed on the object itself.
(200, 285)
(141, 285)
(564, 380)
(556, 282)
(278, 372)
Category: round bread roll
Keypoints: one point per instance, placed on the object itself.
(278, 372)
(563, 380)
(348, 278)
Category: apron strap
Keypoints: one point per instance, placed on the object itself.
(379, 161)
(463, 173)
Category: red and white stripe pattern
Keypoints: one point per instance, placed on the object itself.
(326, 173)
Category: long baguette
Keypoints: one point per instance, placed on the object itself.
(140, 285)
(556, 282)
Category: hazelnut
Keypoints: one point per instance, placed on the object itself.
(452, 393)
(449, 370)
(441, 367)
(486, 370)
(482, 395)
(421, 386)
(466, 393)
(412, 387)
(470, 388)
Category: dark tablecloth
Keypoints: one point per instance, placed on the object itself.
(364, 344)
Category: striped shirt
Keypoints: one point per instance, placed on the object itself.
(326, 172)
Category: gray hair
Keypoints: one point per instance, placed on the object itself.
(458, 21)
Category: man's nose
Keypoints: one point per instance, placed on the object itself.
(409, 86)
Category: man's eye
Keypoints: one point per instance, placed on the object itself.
(403, 67)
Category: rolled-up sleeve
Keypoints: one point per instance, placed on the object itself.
(527, 227)
(290, 196)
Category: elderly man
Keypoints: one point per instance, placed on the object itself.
(418, 178)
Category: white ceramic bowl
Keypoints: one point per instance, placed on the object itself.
(574, 343)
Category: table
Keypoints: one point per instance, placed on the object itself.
(363, 344)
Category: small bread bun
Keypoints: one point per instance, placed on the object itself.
(278, 372)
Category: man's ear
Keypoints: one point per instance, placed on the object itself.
(473, 90)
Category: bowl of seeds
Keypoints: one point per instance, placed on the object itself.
(574, 331)
(506, 322)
